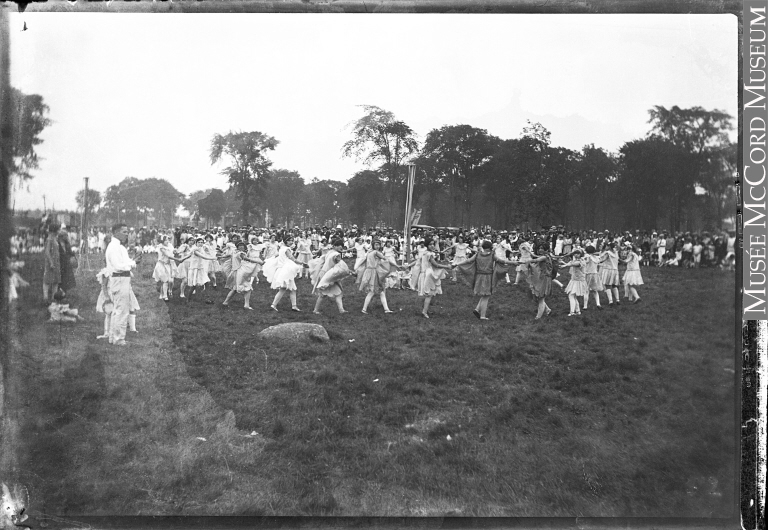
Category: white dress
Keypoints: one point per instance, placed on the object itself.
(163, 271)
(183, 268)
(281, 271)
(197, 274)
(632, 276)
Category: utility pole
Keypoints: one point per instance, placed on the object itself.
(84, 250)
(84, 223)
(45, 208)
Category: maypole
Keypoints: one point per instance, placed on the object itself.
(408, 205)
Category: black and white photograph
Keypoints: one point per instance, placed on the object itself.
(357, 264)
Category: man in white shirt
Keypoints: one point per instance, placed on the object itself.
(120, 265)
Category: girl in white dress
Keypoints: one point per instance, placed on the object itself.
(559, 243)
(460, 254)
(632, 276)
(184, 252)
(523, 270)
(361, 251)
(390, 254)
(281, 273)
(430, 275)
(212, 266)
(304, 253)
(500, 248)
(197, 275)
(609, 272)
(421, 249)
(592, 277)
(327, 273)
(270, 248)
(163, 272)
(242, 269)
(104, 302)
(256, 252)
(578, 285)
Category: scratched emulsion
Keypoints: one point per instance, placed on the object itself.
(761, 383)
(753, 422)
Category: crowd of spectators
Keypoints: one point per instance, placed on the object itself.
(657, 248)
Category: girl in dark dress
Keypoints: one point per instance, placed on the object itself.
(541, 278)
(479, 270)
(52, 271)
(65, 253)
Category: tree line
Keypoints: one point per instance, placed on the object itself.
(678, 176)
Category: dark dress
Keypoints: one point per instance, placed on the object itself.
(52, 271)
(484, 281)
(67, 272)
(541, 278)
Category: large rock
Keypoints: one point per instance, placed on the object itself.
(296, 332)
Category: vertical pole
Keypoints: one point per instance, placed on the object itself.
(408, 200)
(84, 220)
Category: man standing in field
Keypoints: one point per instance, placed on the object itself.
(119, 283)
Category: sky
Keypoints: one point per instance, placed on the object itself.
(142, 95)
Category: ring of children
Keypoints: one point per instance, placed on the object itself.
(624, 411)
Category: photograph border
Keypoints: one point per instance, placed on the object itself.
(751, 335)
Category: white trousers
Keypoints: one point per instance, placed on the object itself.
(120, 292)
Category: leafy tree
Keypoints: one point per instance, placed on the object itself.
(283, 195)
(558, 174)
(595, 168)
(503, 183)
(119, 197)
(364, 194)
(93, 202)
(703, 135)
(28, 119)
(521, 181)
(232, 206)
(378, 137)
(648, 181)
(160, 197)
(428, 185)
(190, 202)
(717, 177)
(694, 129)
(249, 169)
(460, 153)
(325, 200)
(212, 206)
(133, 199)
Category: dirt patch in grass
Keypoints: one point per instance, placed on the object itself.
(106, 430)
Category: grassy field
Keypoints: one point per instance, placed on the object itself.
(624, 412)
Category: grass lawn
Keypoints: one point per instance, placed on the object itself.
(627, 411)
